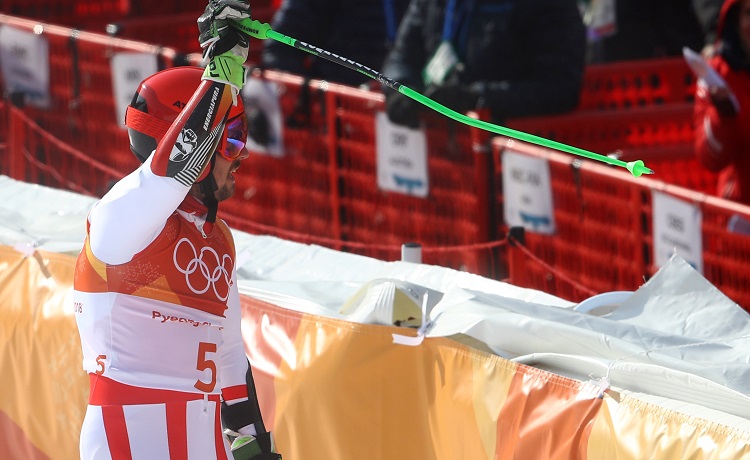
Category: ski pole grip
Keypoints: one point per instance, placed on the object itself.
(253, 28)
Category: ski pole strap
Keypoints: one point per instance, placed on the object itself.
(237, 415)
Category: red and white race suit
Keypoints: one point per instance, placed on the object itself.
(158, 313)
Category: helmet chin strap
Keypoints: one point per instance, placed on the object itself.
(208, 188)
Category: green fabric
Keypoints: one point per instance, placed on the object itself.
(226, 67)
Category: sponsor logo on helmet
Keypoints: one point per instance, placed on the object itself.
(183, 148)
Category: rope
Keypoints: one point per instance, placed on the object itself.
(55, 174)
(585, 290)
(77, 154)
(333, 242)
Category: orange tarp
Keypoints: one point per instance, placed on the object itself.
(334, 390)
(44, 389)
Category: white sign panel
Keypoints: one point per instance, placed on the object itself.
(677, 228)
(402, 158)
(24, 58)
(528, 193)
(128, 71)
(266, 123)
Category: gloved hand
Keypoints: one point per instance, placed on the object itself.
(455, 96)
(246, 447)
(225, 46)
(402, 110)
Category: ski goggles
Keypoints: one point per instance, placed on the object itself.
(232, 144)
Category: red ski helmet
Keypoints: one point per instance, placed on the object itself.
(161, 97)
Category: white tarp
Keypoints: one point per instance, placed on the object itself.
(677, 338)
(35, 216)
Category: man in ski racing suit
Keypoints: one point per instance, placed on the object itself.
(155, 290)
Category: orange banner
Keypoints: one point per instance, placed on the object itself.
(44, 387)
(344, 391)
(337, 390)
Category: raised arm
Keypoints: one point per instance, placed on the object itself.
(132, 214)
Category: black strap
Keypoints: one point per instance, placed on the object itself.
(264, 442)
(208, 187)
(252, 397)
(237, 415)
(300, 116)
(244, 413)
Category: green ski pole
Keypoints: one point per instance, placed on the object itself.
(263, 31)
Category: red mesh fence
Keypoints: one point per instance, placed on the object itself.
(454, 213)
(604, 235)
(324, 189)
(82, 14)
(35, 156)
(295, 191)
(632, 84)
(82, 112)
(634, 110)
(94, 15)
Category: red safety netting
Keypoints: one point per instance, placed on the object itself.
(36, 156)
(323, 190)
(604, 233)
(632, 84)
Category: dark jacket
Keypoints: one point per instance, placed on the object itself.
(707, 13)
(722, 142)
(648, 29)
(355, 29)
(526, 56)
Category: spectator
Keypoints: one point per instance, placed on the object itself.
(707, 12)
(722, 115)
(514, 57)
(155, 289)
(360, 30)
(644, 29)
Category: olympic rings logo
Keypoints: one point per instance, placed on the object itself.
(211, 270)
